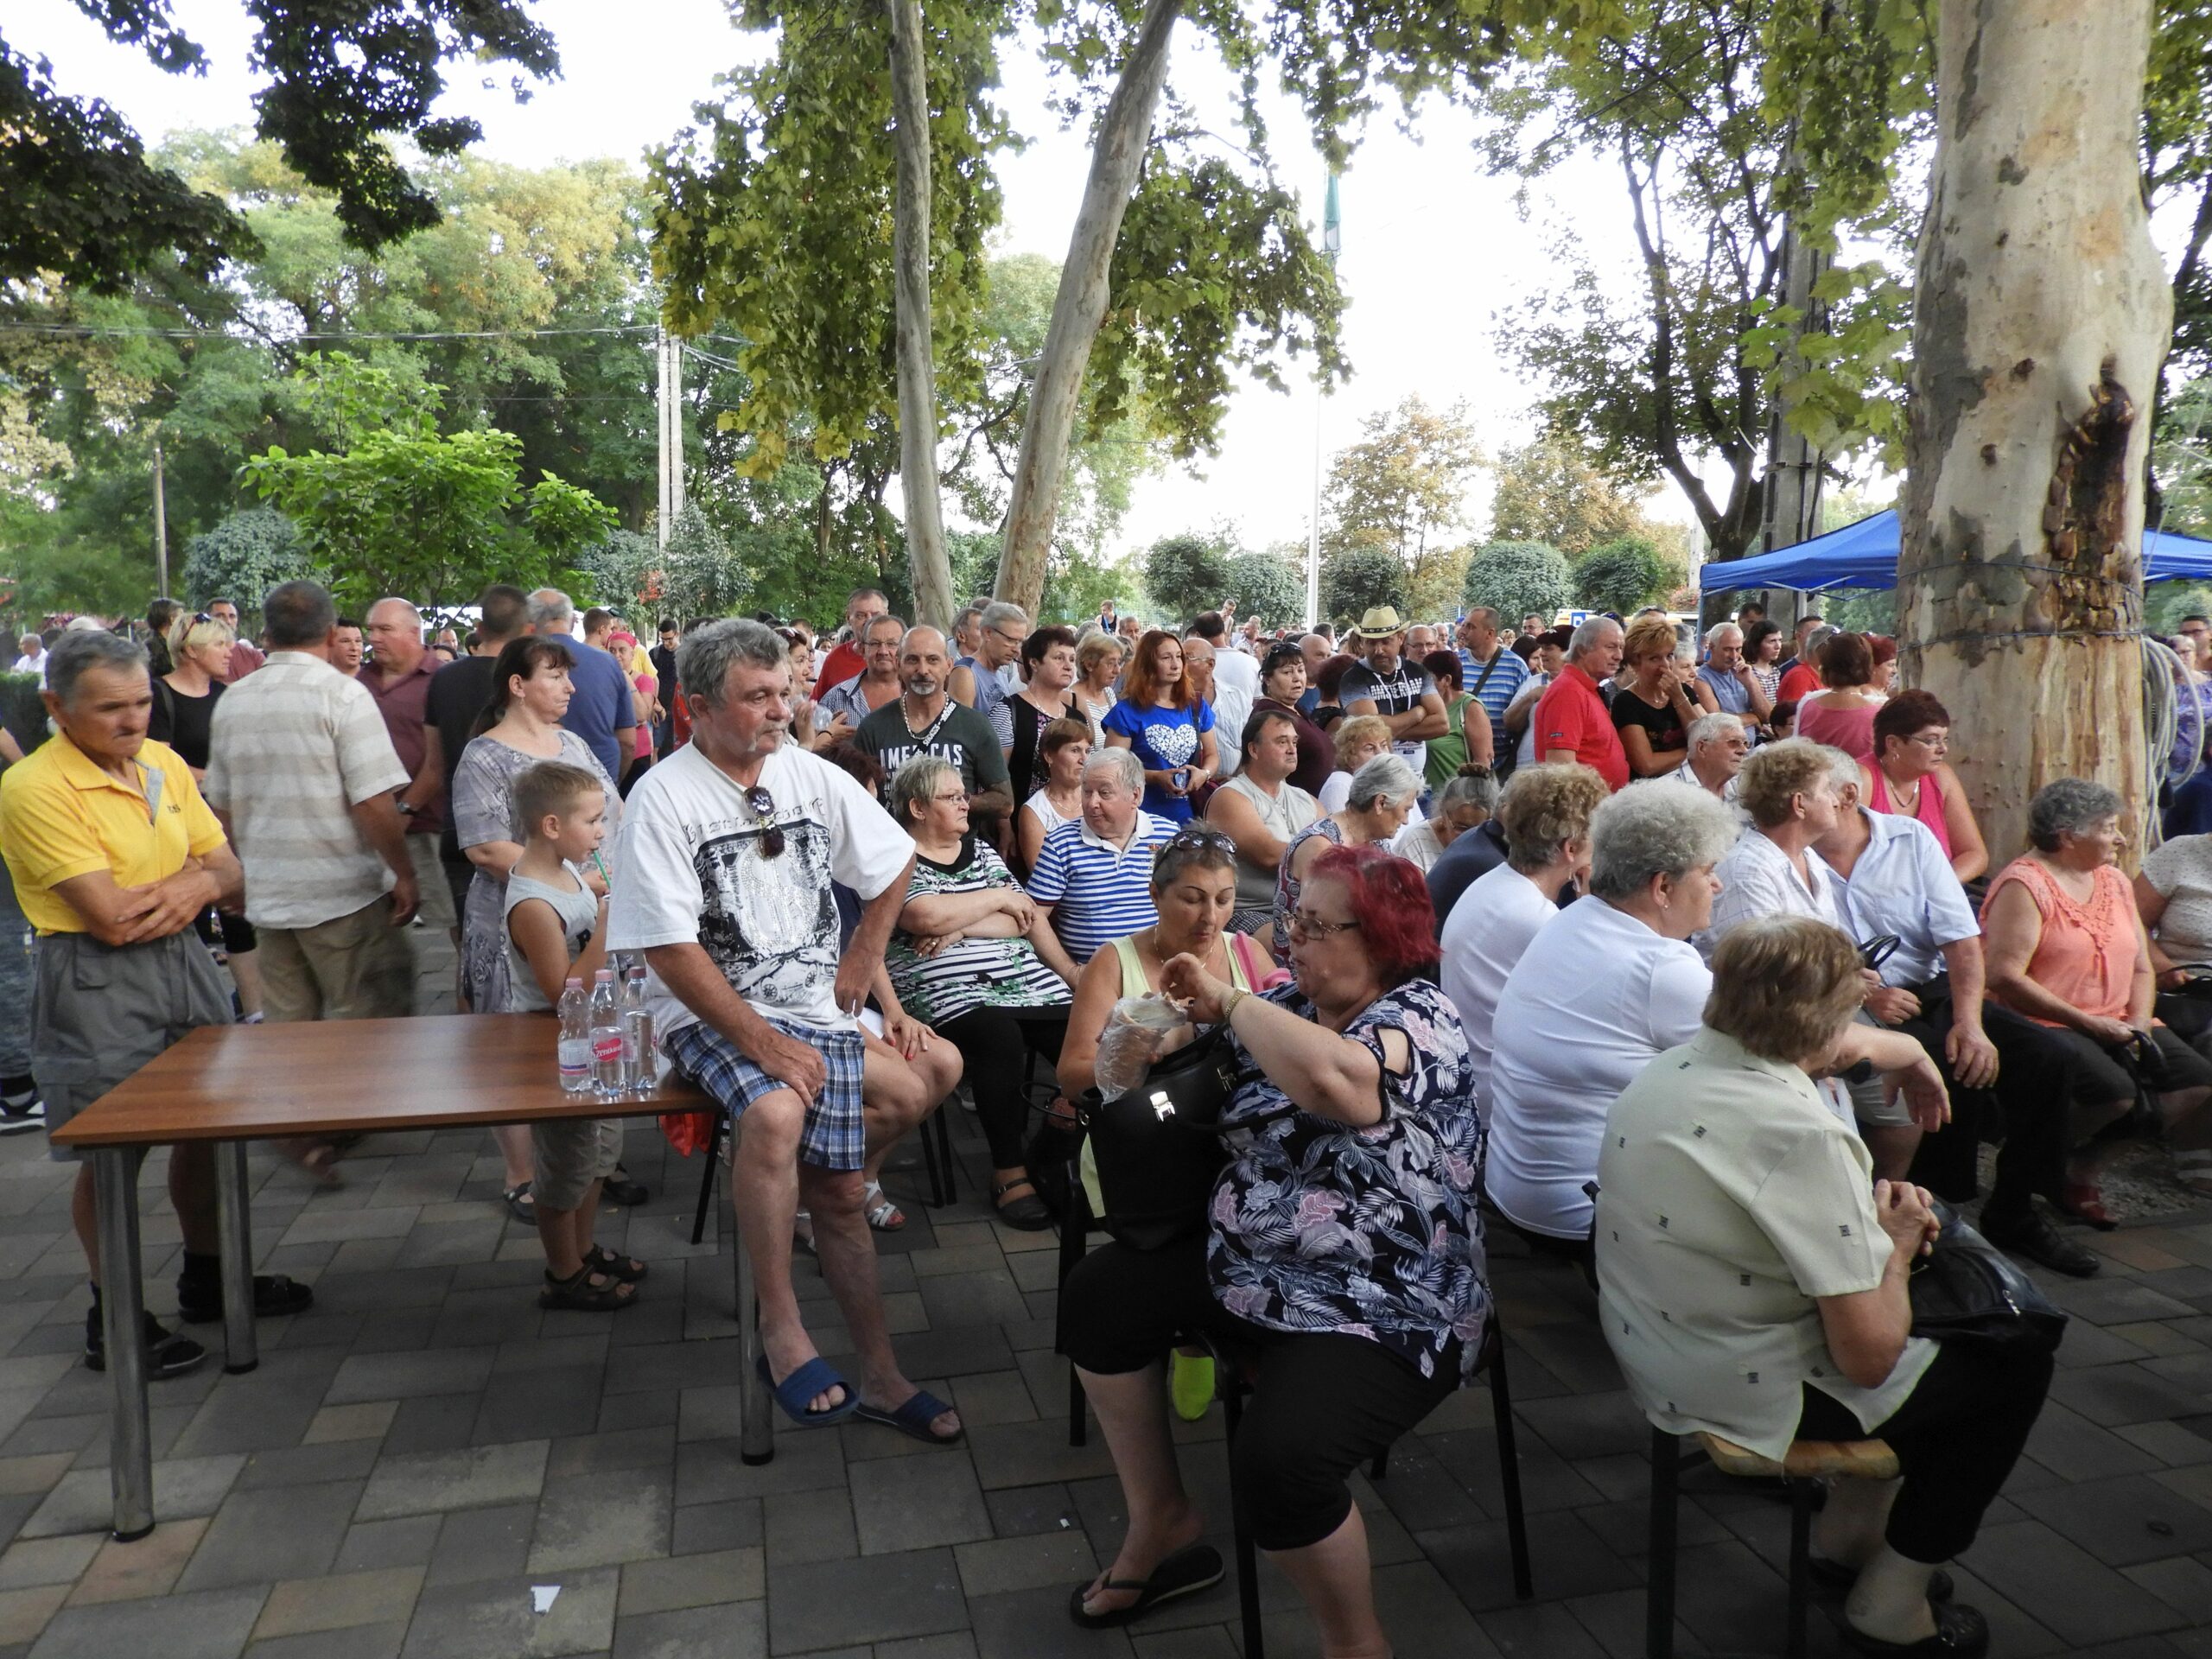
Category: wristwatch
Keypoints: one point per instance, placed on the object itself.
(408, 809)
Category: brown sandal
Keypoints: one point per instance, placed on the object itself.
(579, 1295)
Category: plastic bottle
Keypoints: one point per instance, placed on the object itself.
(639, 1060)
(605, 1035)
(575, 1040)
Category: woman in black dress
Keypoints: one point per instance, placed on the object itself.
(1047, 672)
(1654, 705)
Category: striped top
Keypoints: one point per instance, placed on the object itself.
(1508, 674)
(293, 748)
(972, 973)
(1099, 892)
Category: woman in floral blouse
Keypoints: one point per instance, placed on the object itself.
(1342, 1262)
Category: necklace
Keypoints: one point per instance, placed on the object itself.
(1906, 805)
(923, 739)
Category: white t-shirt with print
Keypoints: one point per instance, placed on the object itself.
(689, 869)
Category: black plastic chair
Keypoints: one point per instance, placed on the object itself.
(937, 1158)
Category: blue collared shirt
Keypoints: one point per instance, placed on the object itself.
(1902, 884)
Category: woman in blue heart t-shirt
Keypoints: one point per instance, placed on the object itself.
(1170, 731)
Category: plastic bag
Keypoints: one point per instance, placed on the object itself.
(1136, 1029)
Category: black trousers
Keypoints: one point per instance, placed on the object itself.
(992, 1041)
(1957, 1436)
(1323, 1403)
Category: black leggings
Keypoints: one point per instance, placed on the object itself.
(1957, 1437)
(1323, 1403)
(992, 1041)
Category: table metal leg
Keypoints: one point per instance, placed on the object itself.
(756, 1433)
(241, 1351)
(130, 1456)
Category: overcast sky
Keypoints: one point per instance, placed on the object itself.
(1432, 249)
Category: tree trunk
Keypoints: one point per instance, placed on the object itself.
(1078, 307)
(918, 414)
(2040, 317)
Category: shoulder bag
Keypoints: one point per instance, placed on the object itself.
(1966, 1290)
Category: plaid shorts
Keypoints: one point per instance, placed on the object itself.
(834, 1137)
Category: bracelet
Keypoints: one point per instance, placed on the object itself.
(1229, 1006)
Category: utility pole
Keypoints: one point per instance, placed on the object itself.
(161, 524)
(1332, 241)
(671, 433)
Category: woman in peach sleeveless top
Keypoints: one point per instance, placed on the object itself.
(2067, 953)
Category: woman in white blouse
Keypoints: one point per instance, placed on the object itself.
(1605, 985)
(1545, 813)
(1753, 1280)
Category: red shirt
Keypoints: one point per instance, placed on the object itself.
(1802, 682)
(1572, 715)
(405, 705)
(244, 660)
(842, 665)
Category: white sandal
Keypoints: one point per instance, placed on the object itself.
(883, 1215)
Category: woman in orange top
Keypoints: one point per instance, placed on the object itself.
(2068, 954)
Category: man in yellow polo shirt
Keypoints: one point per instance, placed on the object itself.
(113, 855)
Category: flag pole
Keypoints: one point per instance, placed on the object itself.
(1331, 241)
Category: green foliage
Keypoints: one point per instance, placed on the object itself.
(699, 574)
(1403, 487)
(1861, 610)
(2180, 457)
(619, 568)
(1188, 575)
(1549, 490)
(1514, 578)
(404, 509)
(343, 78)
(1354, 579)
(1621, 575)
(243, 557)
(773, 219)
(1267, 586)
(2177, 171)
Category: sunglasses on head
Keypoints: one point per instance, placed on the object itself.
(762, 804)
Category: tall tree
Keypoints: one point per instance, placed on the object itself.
(918, 411)
(2041, 318)
(1403, 487)
(1550, 491)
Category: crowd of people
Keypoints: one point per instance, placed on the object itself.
(1680, 957)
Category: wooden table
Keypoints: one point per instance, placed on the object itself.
(230, 1084)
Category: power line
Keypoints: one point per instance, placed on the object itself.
(80, 331)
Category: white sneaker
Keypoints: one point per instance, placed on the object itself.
(21, 1118)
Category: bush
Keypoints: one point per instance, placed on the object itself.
(243, 557)
(1188, 576)
(1269, 587)
(1621, 575)
(1514, 578)
(1358, 579)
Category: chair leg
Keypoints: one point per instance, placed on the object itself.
(1800, 1547)
(707, 1182)
(930, 1160)
(1659, 1593)
(934, 1124)
(1247, 1557)
(1380, 1466)
(1075, 1228)
(1509, 1473)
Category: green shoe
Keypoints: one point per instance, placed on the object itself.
(1190, 1384)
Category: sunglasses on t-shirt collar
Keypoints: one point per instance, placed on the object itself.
(762, 805)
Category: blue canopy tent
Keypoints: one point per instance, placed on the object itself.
(1865, 555)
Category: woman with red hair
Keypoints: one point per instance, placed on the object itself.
(1168, 725)
(1342, 1262)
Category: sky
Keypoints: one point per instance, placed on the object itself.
(1432, 251)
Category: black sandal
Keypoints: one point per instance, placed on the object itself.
(1026, 1214)
(577, 1294)
(1187, 1570)
(626, 1269)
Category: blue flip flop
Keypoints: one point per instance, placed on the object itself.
(814, 1377)
(913, 1419)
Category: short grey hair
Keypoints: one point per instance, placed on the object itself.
(550, 608)
(1123, 763)
(1844, 769)
(915, 784)
(1486, 614)
(1712, 634)
(1646, 831)
(706, 655)
(1820, 636)
(999, 611)
(1386, 777)
(2068, 806)
(1586, 634)
(75, 653)
(1711, 728)
(1466, 789)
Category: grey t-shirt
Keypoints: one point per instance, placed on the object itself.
(1394, 693)
(579, 914)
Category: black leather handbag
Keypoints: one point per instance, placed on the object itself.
(1158, 1147)
(1966, 1290)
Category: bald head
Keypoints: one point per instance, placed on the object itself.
(393, 632)
(924, 662)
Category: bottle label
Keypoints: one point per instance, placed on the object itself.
(576, 1057)
(606, 1046)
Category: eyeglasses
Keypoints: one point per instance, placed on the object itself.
(1939, 740)
(762, 804)
(1011, 639)
(1194, 836)
(959, 796)
(1313, 927)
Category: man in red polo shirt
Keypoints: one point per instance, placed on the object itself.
(398, 677)
(862, 607)
(1572, 722)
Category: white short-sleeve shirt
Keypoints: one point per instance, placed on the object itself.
(1730, 1200)
(689, 869)
(1484, 938)
(2182, 870)
(1596, 995)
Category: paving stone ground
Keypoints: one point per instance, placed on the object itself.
(425, 1446)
